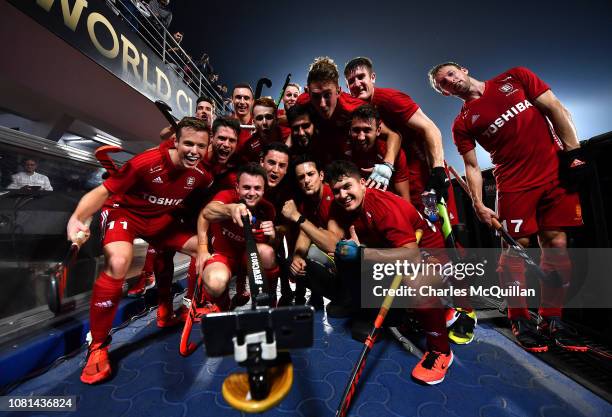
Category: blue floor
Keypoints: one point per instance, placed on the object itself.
(491, 377)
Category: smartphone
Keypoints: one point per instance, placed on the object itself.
(292, 327)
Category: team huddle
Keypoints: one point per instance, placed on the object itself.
(330, 172)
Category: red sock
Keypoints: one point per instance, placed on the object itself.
(104, 301)
(149, 260)
(272, 275)
(164, 272)
(191, 278)
(511, 271)
(434, 324)
(552, 298)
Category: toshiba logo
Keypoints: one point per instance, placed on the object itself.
(506, 116)
(162, 201)
(232, 235)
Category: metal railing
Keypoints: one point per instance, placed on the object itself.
(150, 29)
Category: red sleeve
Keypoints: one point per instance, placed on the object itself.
(225, 197)
(394, 104)
(461, 137)
(124, 179)
(396, 228)
(349, 103)
(402, 172)
(533, 85)
(303, 98)
(391, 218)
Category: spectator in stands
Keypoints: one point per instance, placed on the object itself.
(30, 178)
(204, 65)
(188, 72)
(213, 78)
(161, 10)
(176, 59)
(223, 91)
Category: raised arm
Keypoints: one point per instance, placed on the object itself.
(394, 143)
(216, 211)
(427, 129)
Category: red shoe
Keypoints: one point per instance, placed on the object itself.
(451, 315)
(145, 282)
(166, 317)
(98, 367)
(432, 368)
(564, 336)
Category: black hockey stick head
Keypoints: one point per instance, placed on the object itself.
(260, 83)
(282, 93)
(58, 281)
(166, 111)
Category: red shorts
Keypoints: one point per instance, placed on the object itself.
(163, 232)
(235, 265)
(547, 207)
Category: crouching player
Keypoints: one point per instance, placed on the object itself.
(310, 214)
(144, 193)
(384, 220)
(223, 217)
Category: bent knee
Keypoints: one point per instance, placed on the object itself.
(267, 255)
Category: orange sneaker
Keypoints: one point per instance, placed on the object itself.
(145, 282)
(432, 368)
(97, 368)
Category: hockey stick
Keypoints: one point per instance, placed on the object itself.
(553, 278)
(447, 230)
(282, 93)
(103, 157)
(167, 112)
(349, 391)
(59, 277)
(186, 347)
(257, 280)
(260, 83)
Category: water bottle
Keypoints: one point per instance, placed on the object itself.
(430, 203)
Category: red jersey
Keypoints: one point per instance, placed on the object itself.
(244, 134)
(506, 123)
(385, 220)
(224, 174)
(228, 237)
(318, 212)
(150, 185)
(376, 155)
(283, 124)
(396, 109)
(252, 149)
(332, 142)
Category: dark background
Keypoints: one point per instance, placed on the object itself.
(568, 44)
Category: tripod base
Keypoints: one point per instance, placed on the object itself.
(236, 389)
